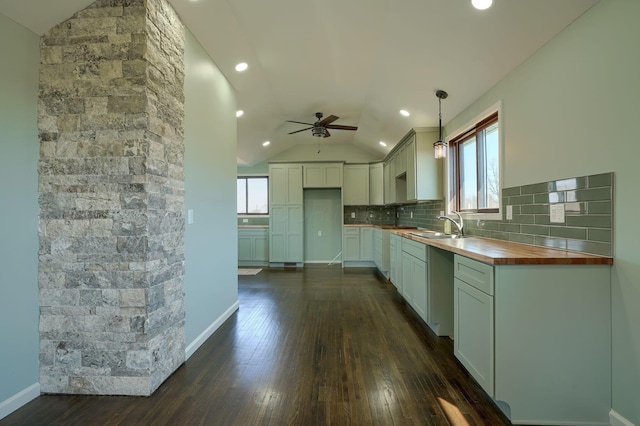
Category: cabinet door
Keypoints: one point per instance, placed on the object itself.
(285, 184)
(411, 170)
(295, 234)
(351, 249)
(355, 191)
(244, 248)
(376, 184)
(277, 233)
(333, 176)
(408, 285)
(401, 162)
(261, 248)
(474, 333)
(420, 289)
(366, 244)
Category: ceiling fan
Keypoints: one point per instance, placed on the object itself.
(319, 128)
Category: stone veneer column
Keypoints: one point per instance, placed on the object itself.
(111, 186)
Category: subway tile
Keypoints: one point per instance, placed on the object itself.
(557, 197)
(568, 184)
(567, 232)
(507, 192)
(535, 188)
(603, 249)
(543, 219)
(499, 235)
(600, 207)
(509, 227)
(522, 238)
(575, 207)
(490, 225)
(523, 218)
(603, 221)
(534, 209)
(534, 229)
(597, 194)
(521, 199)
(559, 243)
(604, 179)
(602, 235)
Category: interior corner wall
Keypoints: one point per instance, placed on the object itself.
(19, 209)
(211, 254)
(572, 110)
(328, 152)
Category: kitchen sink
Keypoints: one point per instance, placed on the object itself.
(435, 235)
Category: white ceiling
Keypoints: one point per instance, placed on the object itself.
(361, 60)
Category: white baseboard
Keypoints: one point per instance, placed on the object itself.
(10, 405)
(193, 346)
(617, 420)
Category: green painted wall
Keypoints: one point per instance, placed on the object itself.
(20, 149)
(322, 212)
(211, 255)
(572, 110)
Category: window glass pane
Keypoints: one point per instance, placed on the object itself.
(492, 176)
(242, 196)
(468, 175)
(258, 201)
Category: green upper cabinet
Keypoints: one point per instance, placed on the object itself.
(355, 191)
(322, 175)
(376, 184)
(424, 171)
(285, 184)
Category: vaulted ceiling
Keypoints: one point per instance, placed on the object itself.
(361, 60)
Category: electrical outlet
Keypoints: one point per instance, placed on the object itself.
(441, 212)
(245, 220)
(353, 215)
(509, 212)
(411, 214)
(319, 233)
(556, 213)
(189, 217)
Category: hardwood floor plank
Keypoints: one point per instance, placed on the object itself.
(318, 346)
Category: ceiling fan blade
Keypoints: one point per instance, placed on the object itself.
(327, 120)
(301, 130)
(340, 127)
(299, 122)
(326, 133)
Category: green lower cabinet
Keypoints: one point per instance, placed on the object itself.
(253, 246)
(537, 338)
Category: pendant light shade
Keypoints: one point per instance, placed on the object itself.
(440, 147)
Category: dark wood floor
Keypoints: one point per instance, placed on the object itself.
(319, 346)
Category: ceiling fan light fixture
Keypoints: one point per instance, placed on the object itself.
(318, 132)
(440, 146)
(482, 4)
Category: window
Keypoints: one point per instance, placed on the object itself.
(253, 195)
(476, 171)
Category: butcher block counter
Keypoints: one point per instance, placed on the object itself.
(497, 252)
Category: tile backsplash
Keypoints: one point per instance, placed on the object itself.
(375, 215)
(588, 225)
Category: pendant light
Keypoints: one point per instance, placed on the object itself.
(440, 147)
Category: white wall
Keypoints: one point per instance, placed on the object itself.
(211, 254)
(19, 145)
(328, 152)
(572, 110)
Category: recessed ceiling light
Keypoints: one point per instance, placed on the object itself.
(239, 113)
(382, 143)
(242, 66)
(266, 143)
(404, 112)
(482, 4)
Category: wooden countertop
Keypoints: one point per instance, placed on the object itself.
(378, 226)
(497, 252)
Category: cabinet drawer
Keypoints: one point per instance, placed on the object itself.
(351, 230)
(477, 274)
(415, 249)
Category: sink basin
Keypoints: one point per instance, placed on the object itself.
(435, 235)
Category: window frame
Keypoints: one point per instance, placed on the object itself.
(481, 122)
(246, 178)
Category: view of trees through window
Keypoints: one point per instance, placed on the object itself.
(477, 167)
(253, 195)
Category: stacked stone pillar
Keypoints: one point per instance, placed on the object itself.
(111, 185)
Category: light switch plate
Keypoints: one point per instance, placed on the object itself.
(556, 213)
(509, 212)
(189, 217)
(353, 215)
(245, 220)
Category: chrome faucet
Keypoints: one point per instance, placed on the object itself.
(459, 226)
